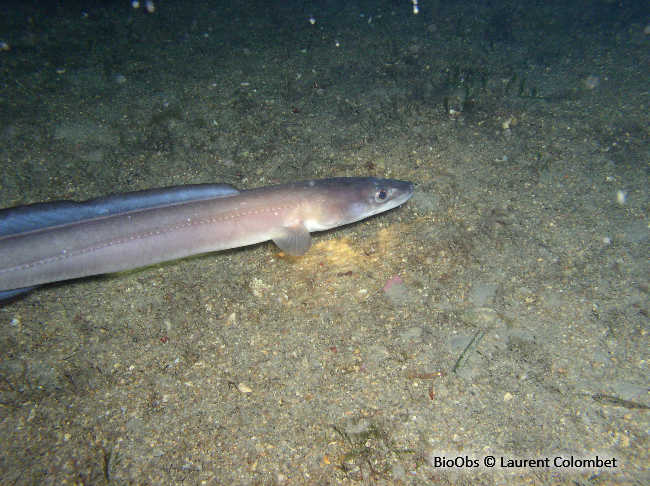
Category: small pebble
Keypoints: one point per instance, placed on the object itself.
(592, 82)
(396, 280)
(243, 388)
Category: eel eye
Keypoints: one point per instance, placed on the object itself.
(381, 194)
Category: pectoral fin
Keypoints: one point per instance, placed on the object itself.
(295, 240)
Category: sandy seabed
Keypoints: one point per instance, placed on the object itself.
(517, 331)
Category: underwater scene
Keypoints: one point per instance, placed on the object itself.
(388, 242)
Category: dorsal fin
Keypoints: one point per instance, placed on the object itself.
(34, 217)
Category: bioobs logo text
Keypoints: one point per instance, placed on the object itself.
(464, 461)
(454, 462)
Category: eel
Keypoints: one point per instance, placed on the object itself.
(55, 241)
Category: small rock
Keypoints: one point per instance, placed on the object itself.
(412, 334)
(483, 293)
(243, 388)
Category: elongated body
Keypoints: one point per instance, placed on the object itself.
(50, 242)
